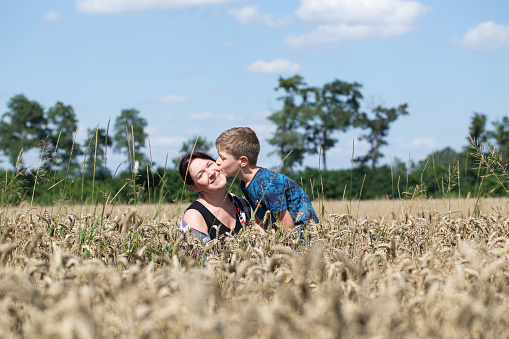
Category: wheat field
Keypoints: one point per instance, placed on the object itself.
(371, 269)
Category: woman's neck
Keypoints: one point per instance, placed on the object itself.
(216, 199)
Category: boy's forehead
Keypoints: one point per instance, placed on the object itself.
(224, 153)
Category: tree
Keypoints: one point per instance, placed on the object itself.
(378, 129)
(130, 135)
(288, 140)
(477, 129)
(96, 152)
(64, 125)
(22, 127)
(196, 143)
(327, 110)
(446, 156)
(500, 135)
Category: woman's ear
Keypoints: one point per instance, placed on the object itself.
(192, 187)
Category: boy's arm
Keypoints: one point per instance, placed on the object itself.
(286, 219)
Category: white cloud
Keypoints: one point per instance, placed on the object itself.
(152, 130)
(486, 37)
(167, 141)
(360, 11)
(51, 16)
(174, 99)
(231, 117)
(263, 114)
(122, 6)
(342, 20)
(333, 34)
(82, 133)
(158, 137)
(250, 15)
(214, 118)
(201, 116)
(192, 70)
(209, 91)
(278, 66)
(266, 128)
(419, 143)
(229, 45)
(424, 142)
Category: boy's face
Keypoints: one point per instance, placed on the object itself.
(228, 164)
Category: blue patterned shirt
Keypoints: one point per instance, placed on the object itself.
(275, 192)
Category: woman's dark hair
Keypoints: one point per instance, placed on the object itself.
(186, 160)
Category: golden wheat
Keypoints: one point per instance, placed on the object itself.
(419, 269)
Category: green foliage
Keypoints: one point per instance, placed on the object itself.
(480, 170)
(433, 178)
(130, 136)
(331, 108)
(310, 116)
(21, 128)
(288, 137)
(436, 177)
(377, 131)
(96, 152)
(500, 135)
(477, 129)
(63, 124)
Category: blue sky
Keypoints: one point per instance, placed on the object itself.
(198, 67)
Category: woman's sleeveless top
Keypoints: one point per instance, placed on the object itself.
(243, 214)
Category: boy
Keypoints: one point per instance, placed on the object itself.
(265, 190)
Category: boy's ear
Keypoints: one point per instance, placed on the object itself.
(243, 161)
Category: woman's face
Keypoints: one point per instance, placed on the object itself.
(206, 175)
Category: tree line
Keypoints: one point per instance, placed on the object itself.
(26, 126)
(478, 170)
(307, 123)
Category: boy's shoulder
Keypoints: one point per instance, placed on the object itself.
(271, 180)
(262, 179)
(265, 175)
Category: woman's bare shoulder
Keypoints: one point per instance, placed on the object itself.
(194, 219)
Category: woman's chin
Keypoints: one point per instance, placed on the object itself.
(220, 182)
(227, 175)
(223, 181)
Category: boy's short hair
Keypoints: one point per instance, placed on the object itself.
(240, 141)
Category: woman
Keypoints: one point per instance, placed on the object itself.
(214, 206)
